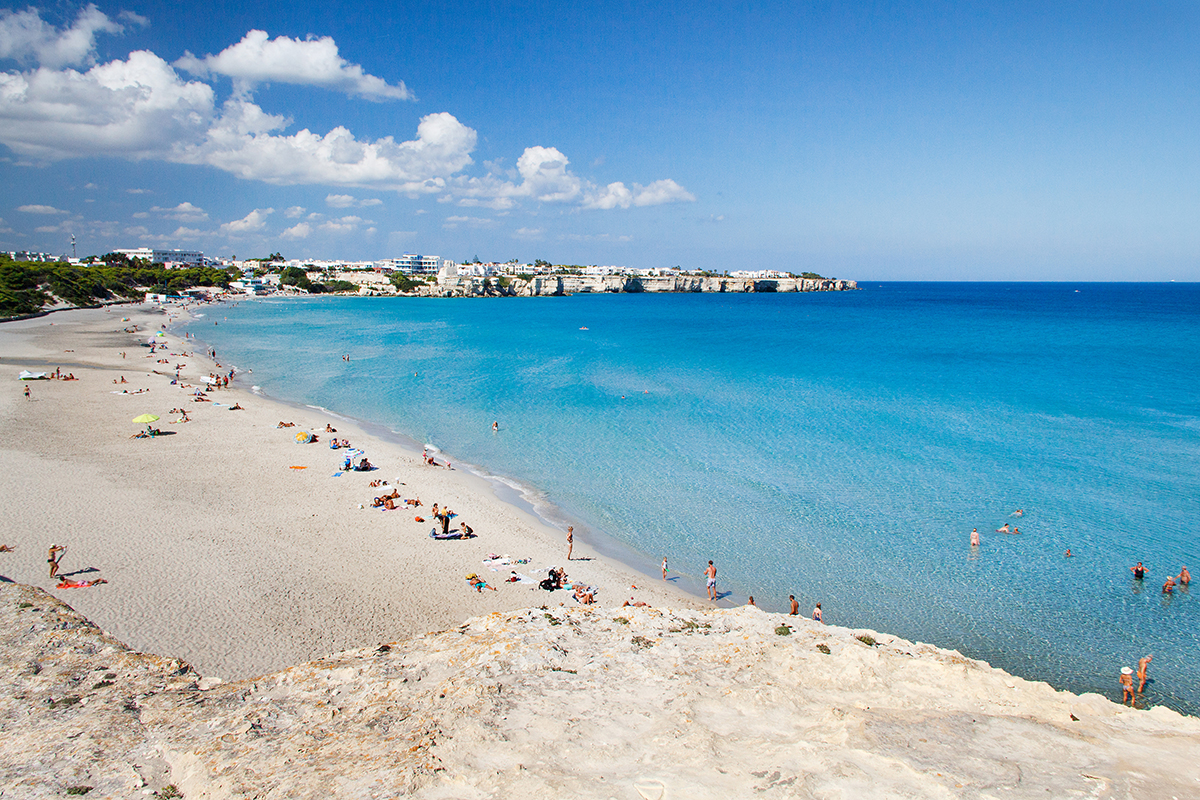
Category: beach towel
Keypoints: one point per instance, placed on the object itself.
(297, 467)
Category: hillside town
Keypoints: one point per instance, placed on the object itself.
(431, 275)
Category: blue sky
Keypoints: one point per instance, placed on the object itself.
(947, 141)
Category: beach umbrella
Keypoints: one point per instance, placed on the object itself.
(146, 419)
(303, 437)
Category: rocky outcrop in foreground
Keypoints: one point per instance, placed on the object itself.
(558, 285)
(537, 703)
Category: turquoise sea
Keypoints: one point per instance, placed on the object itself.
(835, 446)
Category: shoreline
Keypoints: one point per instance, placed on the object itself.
(217, 552)
(506, 489)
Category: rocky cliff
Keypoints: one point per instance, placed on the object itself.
(557, 285)
(546, 703)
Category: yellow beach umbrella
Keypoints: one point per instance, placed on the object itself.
(146, 419)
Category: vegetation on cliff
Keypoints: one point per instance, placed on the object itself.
(27, 286)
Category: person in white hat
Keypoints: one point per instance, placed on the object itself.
(1126, 682)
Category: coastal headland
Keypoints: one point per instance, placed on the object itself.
(559, 285)
(295, 659)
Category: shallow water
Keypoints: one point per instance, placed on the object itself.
(835, 446)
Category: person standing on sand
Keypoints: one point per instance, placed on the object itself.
(664, 566)
(27, 397)
(1126, 681)
(56, 554)
(570, 541)
(795, 606)
(974, 537)
(817, 616)
(1143, 664)
(711, 575)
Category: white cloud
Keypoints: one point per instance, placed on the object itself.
(475, 222)
(546, 178)
(298, 231)
(184, 212)
(137, 230)
(348, 201)
(140, 108)
(137, 108)
(342, 224)
(595, 237)
(25, 37)
(36, 209)
(312, 62)
(442, 148)
(294, 212)
(137, 191)
(256, 220)
(528, 234)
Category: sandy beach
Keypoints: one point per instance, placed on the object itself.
(216, 550)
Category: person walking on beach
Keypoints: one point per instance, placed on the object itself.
(817, 616)
(795, 606)
(27, 397)
(711, 575)
(570, 541)
(664, 567)
(974, 537)
(1143, 664)
(56, 554)
(1126, 681)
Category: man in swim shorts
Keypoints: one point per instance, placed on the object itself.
(711, 575)
(795, 606)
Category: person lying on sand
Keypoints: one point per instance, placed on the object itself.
(585, 594)
(638, 604)
(236, 407)
(414, 502)
(70, 584)
(478, 583)
(283, 424)
(5, 548)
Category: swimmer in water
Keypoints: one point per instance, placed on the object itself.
(1069, 554)
(1138, 571)
(1004, 529)
(1184, 578)
(974, 537)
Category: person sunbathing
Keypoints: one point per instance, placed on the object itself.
(329, 428)
(478, 583)
(389, 503)
(236, 407)
(5, 548)
(413, 502)
(283, 424)
(638, 604)
(377, 502)
(67, 583)
(585, 594)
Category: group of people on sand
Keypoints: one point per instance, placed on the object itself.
(57, 551)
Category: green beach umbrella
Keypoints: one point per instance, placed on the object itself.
(146, 419)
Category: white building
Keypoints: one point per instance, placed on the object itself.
(186, 258)
(413, 264)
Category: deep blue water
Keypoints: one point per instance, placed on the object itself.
(835, 446)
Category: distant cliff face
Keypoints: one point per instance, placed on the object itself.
(566, 702)
(557, 285)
